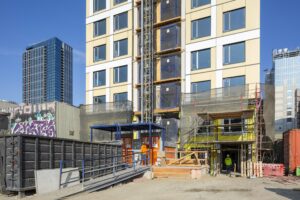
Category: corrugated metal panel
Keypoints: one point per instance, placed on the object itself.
(22, 155)
(292, 149)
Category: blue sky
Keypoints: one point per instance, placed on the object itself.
(24, 22)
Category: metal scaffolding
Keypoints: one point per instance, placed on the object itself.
(147, 60)
(206, 119)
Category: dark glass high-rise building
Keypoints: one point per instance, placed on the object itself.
(48, 72)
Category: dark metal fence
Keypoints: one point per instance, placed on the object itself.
(21, 155)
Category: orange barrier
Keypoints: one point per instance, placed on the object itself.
(273, 169)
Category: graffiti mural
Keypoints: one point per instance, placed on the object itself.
(34, 120)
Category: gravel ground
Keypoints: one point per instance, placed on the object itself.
(206, 188)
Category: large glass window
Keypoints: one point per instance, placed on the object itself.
(234, 81)
(169, 95)
(233, 125)
(119, 1)
(170, 66)
(234, 53)
(120, 74)
(120, 97)
(202, 86)
(120, 47)
(234, 86)
(169, 37)
(99, 5)
(170, 9)
(100, 27)
(198, 3)
(201, 28)
(99, 78)
(201, 59)
(235, 19)
(100, 99)
(99, 53)
(120, 21)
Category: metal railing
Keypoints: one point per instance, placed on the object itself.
(217, 95)
(119, 163)
(106, 107)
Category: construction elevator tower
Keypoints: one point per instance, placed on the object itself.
(147, 60)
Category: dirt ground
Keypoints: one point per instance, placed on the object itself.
(206, 188)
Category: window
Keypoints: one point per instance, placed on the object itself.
(119, 1)
(201, 28)
(168, 96)
(120, 97)
(99, 53)
(139, 72)
(234, 81)
(120, 21)
(201, 59)
(234, 53)
(233, 20)
(99, 78)
(169, 9)
(289, 120)
(100, 27)
(99, 5)
(234, 86)
(169, 37)
(198, 3)
(289, 113)
(120, 74)
(233, 125)
(139, 44)
(100, 99)
(202, 86)
(120, 47)
(170, 66)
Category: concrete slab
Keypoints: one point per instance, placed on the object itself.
(47, 180)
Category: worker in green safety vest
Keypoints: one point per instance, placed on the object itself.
(228, 163)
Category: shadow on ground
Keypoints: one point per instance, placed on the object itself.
(218, 190)
(293, 194)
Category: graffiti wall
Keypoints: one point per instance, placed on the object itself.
(36, 119)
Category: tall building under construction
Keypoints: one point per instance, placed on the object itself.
(179, 61)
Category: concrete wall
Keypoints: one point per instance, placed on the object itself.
(67, 121)
(54, 119)
(52, 177)
(34, 119)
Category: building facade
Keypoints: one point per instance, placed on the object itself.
(286, 72)
(199, 45)
(48, 72)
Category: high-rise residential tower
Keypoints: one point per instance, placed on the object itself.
(48, 72)
(198, 45)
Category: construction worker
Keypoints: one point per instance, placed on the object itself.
(144, 150)
(228, 163)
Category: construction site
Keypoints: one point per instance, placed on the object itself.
(196, 121)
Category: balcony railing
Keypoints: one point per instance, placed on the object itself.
(124, 106)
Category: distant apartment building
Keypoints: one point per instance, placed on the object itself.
(285, 75)
(48, 72)
(199, 45)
